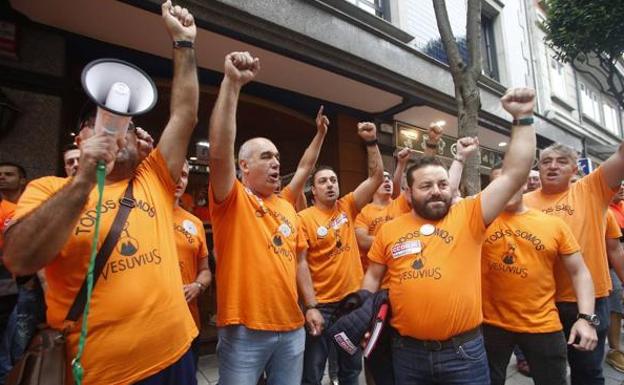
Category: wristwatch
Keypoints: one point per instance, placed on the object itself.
(526, 121)
(591, 318)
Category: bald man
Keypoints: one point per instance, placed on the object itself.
(260, 324)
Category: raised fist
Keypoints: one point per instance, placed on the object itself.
(434, 132)
(322, 122)
(367, 131)
(179, 22)
(404, 155)
(241, 67)
(467, 146)
(519, 102)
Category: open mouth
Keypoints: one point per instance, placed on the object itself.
(274, 177)
(331, 194)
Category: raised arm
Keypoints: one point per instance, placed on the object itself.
(240, 69)
(584, 291)
(465, 148)
(364, 239)
(365, 191)
(518, 159)
(36, 239)
(613, 168)
(403, 157)
(175, 138)
(310, 156)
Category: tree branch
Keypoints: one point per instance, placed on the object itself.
(456, 63)
(473, 36)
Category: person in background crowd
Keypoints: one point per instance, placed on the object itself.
(12, 181)
(193, 255)
(436, 249)
(615, 223)
(583, 206)
(71, 157)
(52, 229)
(518, 287)
(533, 181)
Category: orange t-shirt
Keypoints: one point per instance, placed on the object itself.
(399, 206)
(583, 207)
(333, 254)
(190, 240)
(518, 258)
(613, 229)
(257, 242)
(6, 213)
(618, 211)
(370, 219)
(137, 299)
(435, 279)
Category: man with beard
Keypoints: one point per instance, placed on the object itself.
(258, 318)
(333, 261)
(433, 258)
(137, 299)
(521, 248)
(583, 206)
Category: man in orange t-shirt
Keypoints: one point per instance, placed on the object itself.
(192, 248)
(518, 287)
(583, 206)
(137, 299)
(8, 287)
(433, 257)
(258, 244)
(333, 262)
(615, 356)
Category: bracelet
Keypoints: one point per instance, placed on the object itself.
(369, 143)
(309, 307)
(431, 145)
(526, 121)
(201, 286)
(460, 160)
(182, 44)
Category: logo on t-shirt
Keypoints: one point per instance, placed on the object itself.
(560, 209)
(509, 263)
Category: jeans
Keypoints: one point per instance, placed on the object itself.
(545, 353)
(22, 326)
(586, 367)
(379, 362)
(245, 353)
(463, 364)
(316, 351)
(182, 372)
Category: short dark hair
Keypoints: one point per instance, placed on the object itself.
(322, 168)
(69, 147)
(421, 162)
(21, 170)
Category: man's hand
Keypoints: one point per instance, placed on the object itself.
(586, 335)
(145, 143)
(99, 147)
(314, 322)
(191, 291)
(404, 155)
(434, 132)
(241, 67)
(519, 102)
(179, 22)
(367, 131)
(322, 122)
(466, 147)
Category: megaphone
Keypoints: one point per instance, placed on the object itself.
(120, 90)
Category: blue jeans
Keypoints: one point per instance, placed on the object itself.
(22, 326)
(317, 350)
(245, 353)
(463, 364)
(585, 367)
(181, 372)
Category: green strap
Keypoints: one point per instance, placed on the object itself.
(77, 368)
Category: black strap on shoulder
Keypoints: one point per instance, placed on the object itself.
(126, 204)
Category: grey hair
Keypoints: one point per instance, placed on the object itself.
(567, 151)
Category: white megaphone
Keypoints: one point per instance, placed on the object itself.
(120, 90)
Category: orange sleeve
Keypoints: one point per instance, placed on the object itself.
(377, 252)
(476, 224)
(566, 241)
(7, 210)
(156, 166)
(349, 205)
(37, 192)
(597, 186)
(613, 229)
(362, 221)
(288, 195)
(203, 248)
(220, 209)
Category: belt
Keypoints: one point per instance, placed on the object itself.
(435, 345)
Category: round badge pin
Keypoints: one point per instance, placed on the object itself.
(284, 229)
(321, 231)
(189, 226)
(427, 229)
